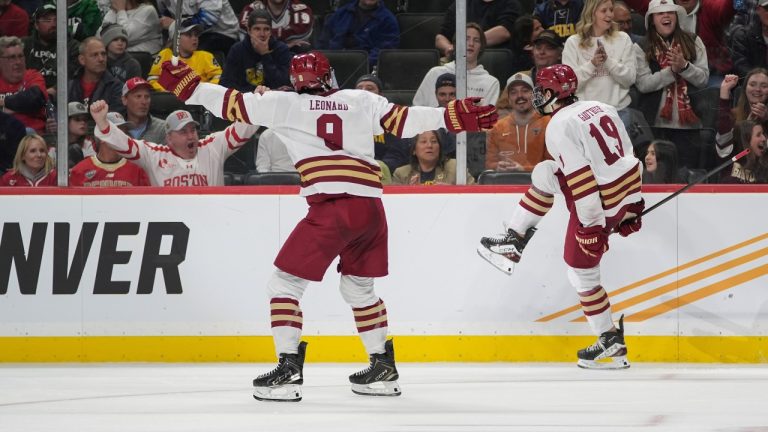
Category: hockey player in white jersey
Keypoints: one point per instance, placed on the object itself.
(329, 137)
(186, 160)
(594, 167)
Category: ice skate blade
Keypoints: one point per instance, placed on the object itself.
(379, 388)
(500, 262)
(286, 393)
(619, 362)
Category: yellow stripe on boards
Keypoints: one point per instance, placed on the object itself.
(688, 349)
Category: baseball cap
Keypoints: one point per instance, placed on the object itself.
(374, 79)
(658, 6)
(118, 120)
(549, 37)
(186, 27)
(76, 108)
(134, 83)
(762, 3)
(44, 9)
(259, 16)
(520, 77)
(446, 79)
(178, 119)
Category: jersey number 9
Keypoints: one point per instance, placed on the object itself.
(329, 129)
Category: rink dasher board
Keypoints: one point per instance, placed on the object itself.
(690, 283)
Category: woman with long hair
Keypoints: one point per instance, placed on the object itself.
(671, 65)
(752, 168)
(601, 56)
(660, 163)
(429, 164)
(31, 166)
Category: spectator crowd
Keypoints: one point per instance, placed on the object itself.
(689, 79)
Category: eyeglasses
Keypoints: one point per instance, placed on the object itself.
(13, 57)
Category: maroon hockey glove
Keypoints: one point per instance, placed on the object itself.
(633, 224)
(593, 241)
(464, 115)
(180, 80)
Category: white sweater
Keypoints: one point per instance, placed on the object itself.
(479, 83)
(610, 82)
(142, 25)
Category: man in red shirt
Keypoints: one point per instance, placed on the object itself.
(107, 168)
(14, 21)
(22, 90)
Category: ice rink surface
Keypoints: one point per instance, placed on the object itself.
(437, 397)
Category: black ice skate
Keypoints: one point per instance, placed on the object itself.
(380, 378)
(283, 383)
(610, 347)
(503, 251)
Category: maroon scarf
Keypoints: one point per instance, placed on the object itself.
(684, 109)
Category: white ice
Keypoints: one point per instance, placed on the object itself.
(436, 397)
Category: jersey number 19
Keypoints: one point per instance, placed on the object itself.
(608, 128)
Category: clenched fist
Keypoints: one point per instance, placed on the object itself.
(180, 80)
(465, 115)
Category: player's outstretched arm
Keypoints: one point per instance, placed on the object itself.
(225, 103)
(465, 115)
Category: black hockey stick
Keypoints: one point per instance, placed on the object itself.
(709, 174)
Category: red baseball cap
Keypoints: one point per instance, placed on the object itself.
(134, 83)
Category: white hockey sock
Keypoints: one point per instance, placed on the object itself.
(597, 309)
(529, 210)
(287, 322)
(372, 326)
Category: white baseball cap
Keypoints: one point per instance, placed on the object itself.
(178, 119)
(118, 120)
(520, 77)
(658, 6)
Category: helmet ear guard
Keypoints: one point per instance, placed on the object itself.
(543, 104)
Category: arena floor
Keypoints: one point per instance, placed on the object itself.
(436, 397)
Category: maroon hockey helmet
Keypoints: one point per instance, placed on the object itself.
(311, 71)
(560, 81)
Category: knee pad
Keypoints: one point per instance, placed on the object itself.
(584, 279)
(543, 177)
(283, 284)
(357, 291)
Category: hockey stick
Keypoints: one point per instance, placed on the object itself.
(709, 174)
(176, 33)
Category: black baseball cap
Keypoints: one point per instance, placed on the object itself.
(446, 79)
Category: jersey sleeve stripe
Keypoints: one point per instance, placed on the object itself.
(394, 121)
(628, 184)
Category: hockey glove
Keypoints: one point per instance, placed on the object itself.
(633, 224)
(180, 80)
(593, 241)
(464, 115)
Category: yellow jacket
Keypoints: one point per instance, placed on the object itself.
(202, 62)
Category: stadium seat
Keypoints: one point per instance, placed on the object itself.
(638, 24)
(164, 103)
(405, 69)
(399, 97)
(348, 65)
(393, 5)
(272, 178)
(499, 63)
(145, 60)
(491, 177)
(418, 30)
(243, 161)
(319, 7)
(428, 6)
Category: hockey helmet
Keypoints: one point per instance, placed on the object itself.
(311, 71)
(560, 81)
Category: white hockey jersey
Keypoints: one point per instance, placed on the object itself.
(588, 141)
(165, 168)
(329, 138)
